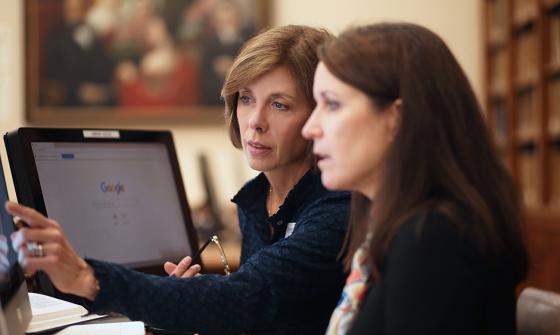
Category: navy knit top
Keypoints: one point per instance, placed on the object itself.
(288, 282)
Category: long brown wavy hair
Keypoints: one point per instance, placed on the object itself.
(442, 157)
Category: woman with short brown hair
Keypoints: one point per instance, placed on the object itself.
(288, 46)
(292, 227)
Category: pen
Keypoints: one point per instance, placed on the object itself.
(196, 257)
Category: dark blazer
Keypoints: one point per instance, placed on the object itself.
(436, 280)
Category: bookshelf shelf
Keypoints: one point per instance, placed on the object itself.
(497, 41)
(523, 82)
(525, 15)
(498, 97)
(554, 69)
(527, 132)
(526, 83)
(550, 4)
(498, 92)
(522, 91)
(527, 144)
(554, 140)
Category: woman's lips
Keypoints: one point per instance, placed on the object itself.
(257, 149)
(322, 160)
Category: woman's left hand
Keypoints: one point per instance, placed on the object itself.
(68, 271)
(183, 269)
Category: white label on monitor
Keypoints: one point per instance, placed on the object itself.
(102, 134)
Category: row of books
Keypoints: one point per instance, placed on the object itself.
(525, 46)
(530, 176)
(527, 122)
(555, 171)
(498, 72)
(524, 11)
(554, 107)
(526, 51)
(520, 42)
(500, 123)
(497, 20)
(527, 118)
(555, 39)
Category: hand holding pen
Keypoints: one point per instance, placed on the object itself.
(184, 269)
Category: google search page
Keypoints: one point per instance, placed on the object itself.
(115, 201)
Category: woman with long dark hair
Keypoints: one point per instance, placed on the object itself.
(435, 239)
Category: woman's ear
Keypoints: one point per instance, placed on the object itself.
(393, 113)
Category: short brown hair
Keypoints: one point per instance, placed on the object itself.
(293, 46)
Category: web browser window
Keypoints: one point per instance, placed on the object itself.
(115, 201)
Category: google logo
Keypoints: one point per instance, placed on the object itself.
(117, 188)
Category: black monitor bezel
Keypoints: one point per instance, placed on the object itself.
(27, 136)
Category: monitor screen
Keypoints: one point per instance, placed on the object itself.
(117, 194)
(114, 201)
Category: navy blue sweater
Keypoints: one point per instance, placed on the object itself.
(285, 285)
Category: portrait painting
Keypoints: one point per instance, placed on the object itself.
(134, 61)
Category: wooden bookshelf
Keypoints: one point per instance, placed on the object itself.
(551, 3)
(522, 100)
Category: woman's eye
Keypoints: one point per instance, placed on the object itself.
(279, 105)
(332, 105)
(245, 99)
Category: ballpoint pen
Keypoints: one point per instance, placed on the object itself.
(196, 257)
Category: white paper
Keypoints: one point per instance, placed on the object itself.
(118, 328)
(52, 313)
(45, 307)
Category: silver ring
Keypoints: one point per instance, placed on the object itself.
(35, 249)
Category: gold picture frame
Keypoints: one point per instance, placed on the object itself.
(107, 62)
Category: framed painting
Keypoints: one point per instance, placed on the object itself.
(99, 62)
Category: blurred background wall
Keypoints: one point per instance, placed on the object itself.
(457, 21)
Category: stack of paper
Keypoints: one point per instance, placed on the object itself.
(119, 328)
(52, 313)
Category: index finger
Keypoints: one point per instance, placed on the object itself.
(29, 215)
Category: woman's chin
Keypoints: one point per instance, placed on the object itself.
(258, 165)
(330, 182)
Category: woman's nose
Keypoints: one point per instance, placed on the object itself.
(311, 129)
(258, 120)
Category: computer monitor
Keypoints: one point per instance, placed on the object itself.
(16, 308)
(117, 194)
(209, 220)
